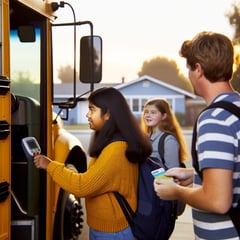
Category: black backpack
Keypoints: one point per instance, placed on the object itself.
(155, 218)
(234, 213)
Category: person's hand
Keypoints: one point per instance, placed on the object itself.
(41, 161)
(182, 176)
(168, 190)
(165, 189)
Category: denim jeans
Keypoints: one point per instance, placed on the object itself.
(125, 234)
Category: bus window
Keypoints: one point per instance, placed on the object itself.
(25, 62)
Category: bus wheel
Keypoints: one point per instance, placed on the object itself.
(69, 216)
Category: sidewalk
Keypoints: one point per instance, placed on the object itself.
(183, 228)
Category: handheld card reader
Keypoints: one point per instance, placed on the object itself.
(31, 147)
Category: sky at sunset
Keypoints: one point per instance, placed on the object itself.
(135, 30)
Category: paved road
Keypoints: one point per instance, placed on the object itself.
(183, 228)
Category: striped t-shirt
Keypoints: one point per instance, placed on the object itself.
(218, 146)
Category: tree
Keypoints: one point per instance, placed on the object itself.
(22, 84)
(65, 74)
(236, 79)
(234, 21)
(165, 70)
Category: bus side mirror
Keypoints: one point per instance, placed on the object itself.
(91, 59)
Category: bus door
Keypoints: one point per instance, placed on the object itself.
(5, 119)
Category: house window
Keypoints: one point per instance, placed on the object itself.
(170, 101)
(135, 106)
(143, 102)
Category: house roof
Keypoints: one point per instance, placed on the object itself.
(65, 90)
(158, 82)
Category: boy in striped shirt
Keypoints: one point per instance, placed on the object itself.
(209, 57)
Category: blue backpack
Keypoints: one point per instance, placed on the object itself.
(154, 218)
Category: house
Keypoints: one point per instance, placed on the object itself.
(136, 92)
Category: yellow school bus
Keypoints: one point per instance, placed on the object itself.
(32, 206)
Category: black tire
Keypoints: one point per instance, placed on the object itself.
(68, 222)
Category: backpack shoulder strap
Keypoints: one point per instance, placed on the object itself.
(161, 146)
(232, 108)
(229, 106)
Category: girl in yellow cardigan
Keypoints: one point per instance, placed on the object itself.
(117, 147)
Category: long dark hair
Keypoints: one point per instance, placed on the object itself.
(121, 123)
